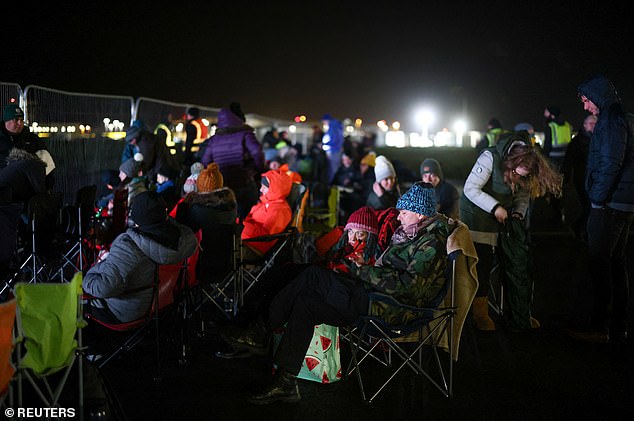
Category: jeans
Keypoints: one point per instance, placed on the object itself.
(608, 232)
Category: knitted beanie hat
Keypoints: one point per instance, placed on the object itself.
(196, 168)
(11, 112)
(420, 198)
(209, 179)
(363, 219)
(132, 166)
(383, 168)
(148, 208)
(191, 184)
(431, 166)
(369, 159)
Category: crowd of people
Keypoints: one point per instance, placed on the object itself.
(392, 241)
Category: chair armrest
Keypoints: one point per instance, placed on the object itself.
(265, 238)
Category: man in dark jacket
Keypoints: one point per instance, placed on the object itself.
(574, 170)
(610, 186)
(14, 134)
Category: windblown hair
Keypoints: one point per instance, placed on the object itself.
(543, 177)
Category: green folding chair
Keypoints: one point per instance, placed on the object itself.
(49, 322)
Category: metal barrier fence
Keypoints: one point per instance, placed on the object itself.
(10, 92)
(84, 131)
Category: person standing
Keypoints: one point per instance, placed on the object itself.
(574, 170)
(496, 196)
(610, 187)
(239, 156)
(14, 134)
(557, 135)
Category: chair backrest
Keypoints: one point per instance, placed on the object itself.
(48, 318)
(298, 204)
(7, 320)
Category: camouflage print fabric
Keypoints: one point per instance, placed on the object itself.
(413, 272)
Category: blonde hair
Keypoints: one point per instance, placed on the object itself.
(543, 177)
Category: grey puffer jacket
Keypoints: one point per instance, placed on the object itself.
(124, 279)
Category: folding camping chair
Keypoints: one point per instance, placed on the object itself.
(228, 295)
(43, 216)
(76, 222)
(49, 323)
(7, 342)
(376, 339)
(134, 331)
(325, 219)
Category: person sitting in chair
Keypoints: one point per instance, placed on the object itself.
(412, 269)
(271, 215)
(122, 281)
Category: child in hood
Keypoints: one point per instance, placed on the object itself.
(272, 214)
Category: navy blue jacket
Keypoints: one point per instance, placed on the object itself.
(610, 172)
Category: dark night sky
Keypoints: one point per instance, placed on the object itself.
(503, 59)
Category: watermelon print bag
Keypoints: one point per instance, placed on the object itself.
(322, 362)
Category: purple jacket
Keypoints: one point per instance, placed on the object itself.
(232, 147)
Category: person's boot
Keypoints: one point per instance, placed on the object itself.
(283, 389)
(480, 309)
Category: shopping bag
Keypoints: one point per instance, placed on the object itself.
(322, 362)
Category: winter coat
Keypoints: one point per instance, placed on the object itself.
(610, 170)
(272, 214)
(388, 200)
(447, 199)
(23, 140)
(484, 189)
(413, 272)
(214, 214)
(125, 278)
(25, 173)
(235, 149)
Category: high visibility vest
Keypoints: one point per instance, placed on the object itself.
(560, 134)
(201, 134)
(493, 135)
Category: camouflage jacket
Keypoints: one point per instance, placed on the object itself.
(413, 272)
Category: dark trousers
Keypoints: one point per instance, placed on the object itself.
(608, 231)
(314, 297)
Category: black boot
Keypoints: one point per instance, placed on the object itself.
(283, 389)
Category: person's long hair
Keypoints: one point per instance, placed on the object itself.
(543, 177)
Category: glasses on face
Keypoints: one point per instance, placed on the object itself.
(520, 175)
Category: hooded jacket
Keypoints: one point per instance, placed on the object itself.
(272, 214)
(124, 279)
(235, 149)
(610, 170)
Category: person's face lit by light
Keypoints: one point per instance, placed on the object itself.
(357, 235)
(589, 106)
(431, 178)
(14, 126)
(388, 183)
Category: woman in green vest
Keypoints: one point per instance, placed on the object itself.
(501, 183)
